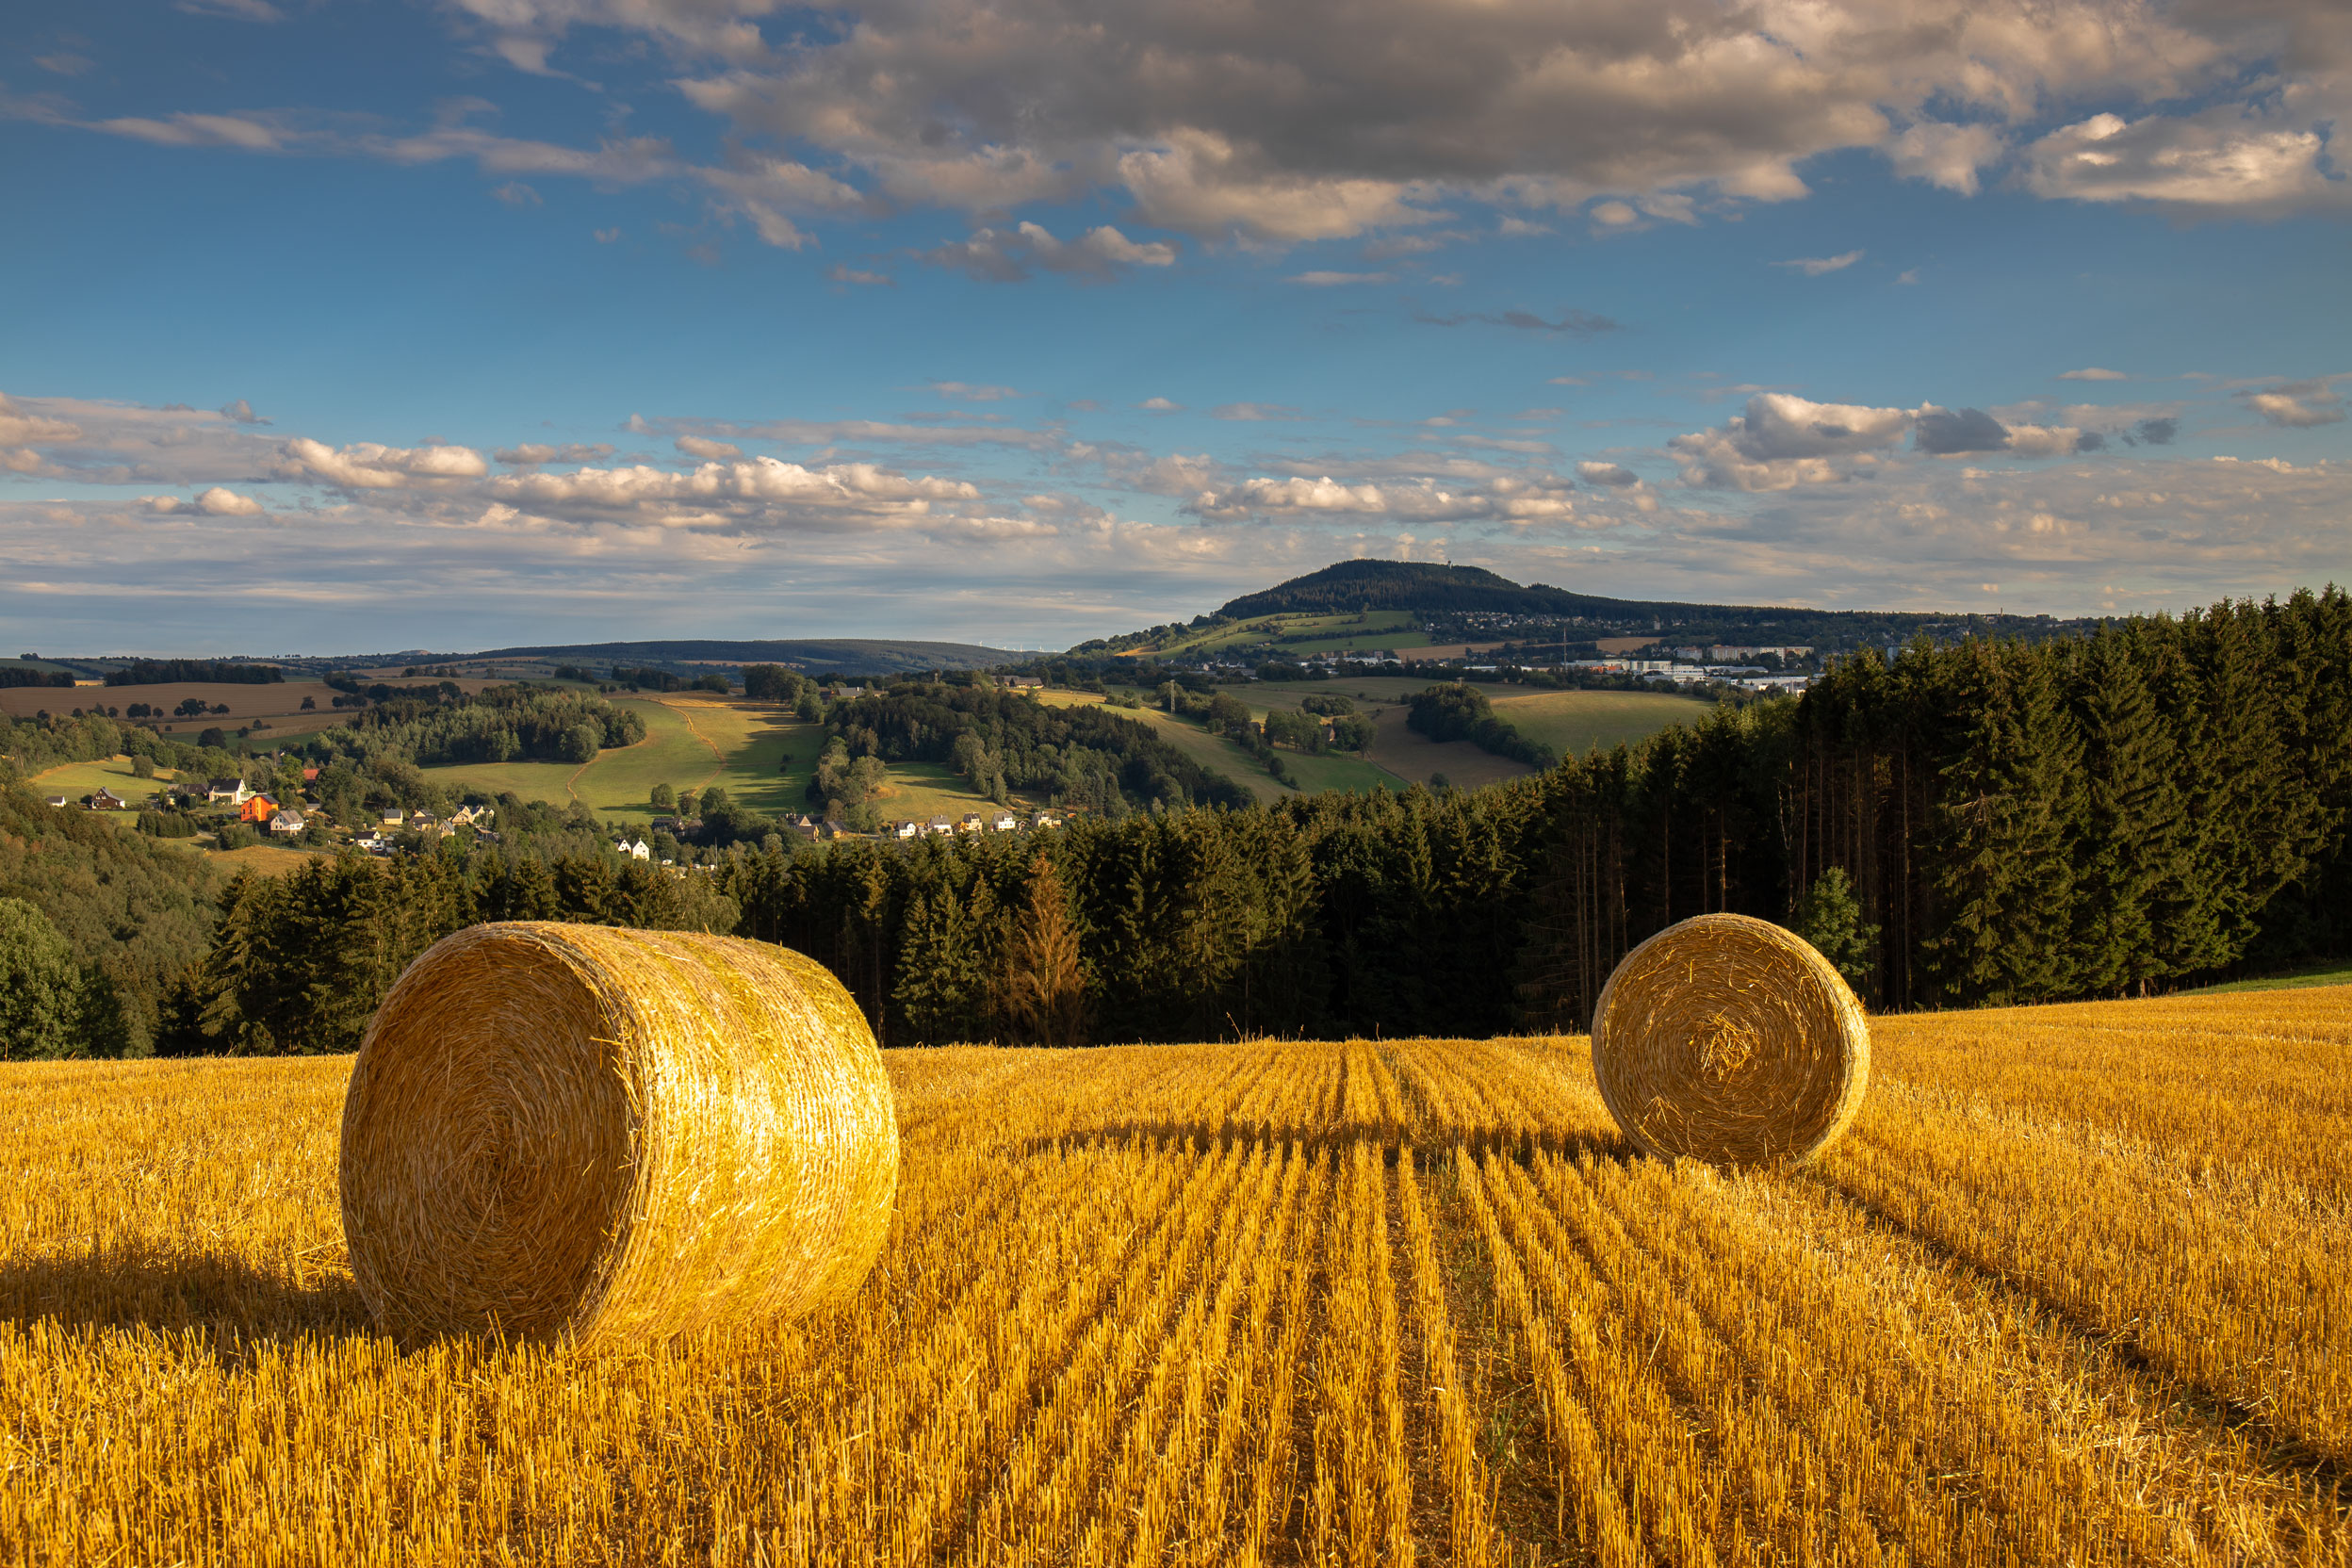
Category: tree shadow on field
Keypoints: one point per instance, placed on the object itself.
(1519, 1144)
(223, 1297)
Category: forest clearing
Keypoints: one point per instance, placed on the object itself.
(2073, 1290)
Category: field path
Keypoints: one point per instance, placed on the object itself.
(718, 757)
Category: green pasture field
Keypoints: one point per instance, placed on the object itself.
(2334, 972)
(76, 780)
(689, 744)
(926, 789)
(1387, 629)
(1315, 774)
(1574, 723)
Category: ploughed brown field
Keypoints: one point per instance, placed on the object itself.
(2075, 1290)
(281, 703)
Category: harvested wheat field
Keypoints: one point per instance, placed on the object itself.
(2075, 1288)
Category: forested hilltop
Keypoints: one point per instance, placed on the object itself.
(1984, 822)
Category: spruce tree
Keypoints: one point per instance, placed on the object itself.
(1830, 917)
(2135, 842)
(1045, 974)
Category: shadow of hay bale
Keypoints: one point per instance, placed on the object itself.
(202, 1292)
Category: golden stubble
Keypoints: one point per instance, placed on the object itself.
(2073, 1289)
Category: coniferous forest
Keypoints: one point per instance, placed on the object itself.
(2160, 803)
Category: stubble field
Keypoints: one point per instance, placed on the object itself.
(2075, 1290)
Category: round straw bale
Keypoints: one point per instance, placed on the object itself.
(572, 1130)
(1730, 1040)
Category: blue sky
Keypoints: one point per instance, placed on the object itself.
(380, 325)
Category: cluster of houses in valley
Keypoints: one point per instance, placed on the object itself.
(822, 828)
(291, 819)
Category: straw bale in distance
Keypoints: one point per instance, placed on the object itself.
(1730, 1040)
(612, 1135)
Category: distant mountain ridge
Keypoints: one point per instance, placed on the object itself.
(1425, 587)
(824, 655)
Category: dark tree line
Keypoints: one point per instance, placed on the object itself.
(1462, 713)
(159, 671)
(2092, 816)
(1083, 756)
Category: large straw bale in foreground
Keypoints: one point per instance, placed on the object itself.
(617, 1136)
(1731, 1041)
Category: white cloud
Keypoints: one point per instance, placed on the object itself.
(367, 465)
(1006, 255)
(1249, 412)
(1813, 267)
(1338, 280)
(515, 193)
(2224, 160)
(1780, 441)
(218, 501)
(2092, 372)
(695, 445)
(1615, 475)
(863, 278)
(1946, 156)
(1159, 405)
(2300, 404)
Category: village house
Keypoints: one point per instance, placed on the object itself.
(907, 829)
(255, 809)
(393, 818)
(287, 824)
(230, 790)
(61, 800)
(971, 822)
(1046, 819)
(638, 851)
(1005, 821)
(938, 825)
(104, 799)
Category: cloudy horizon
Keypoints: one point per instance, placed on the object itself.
(498, 322)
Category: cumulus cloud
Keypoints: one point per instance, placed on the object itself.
(2092, 372)
(1008, 255)
(1813, 267)
(862, 277)
(758, 491)
(1615, 475)
(367, 465)
(1781, 440)
(1946, 156)
(242, 413)
(696, 445)
(1247, 412)
(1159, 405)
(515, 193)
(1516, 500)
(1337, 280)
(1945, 431)
(2298, 404)
(218, 501)
(2223, 161)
